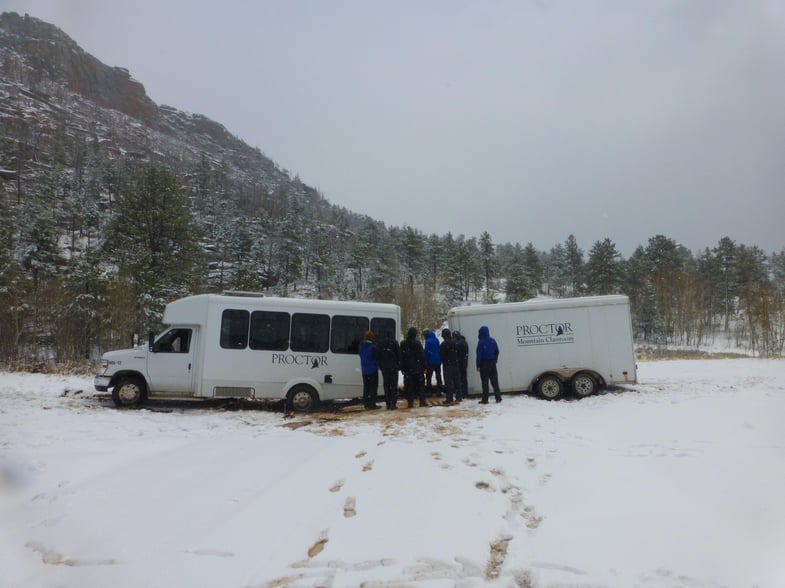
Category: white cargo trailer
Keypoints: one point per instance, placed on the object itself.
(238, 345)
(553, 346)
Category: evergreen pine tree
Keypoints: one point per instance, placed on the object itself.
(154, 240)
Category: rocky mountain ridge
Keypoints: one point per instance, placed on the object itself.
(49, 85)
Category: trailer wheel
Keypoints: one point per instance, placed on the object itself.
(584, 384)
(550, 388)
(129, 391)
(302, 398)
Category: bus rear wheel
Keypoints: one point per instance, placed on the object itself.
(302, 398)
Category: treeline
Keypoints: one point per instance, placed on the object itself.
(93, 249)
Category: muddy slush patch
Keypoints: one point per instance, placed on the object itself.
(437, 419)
(497, 556)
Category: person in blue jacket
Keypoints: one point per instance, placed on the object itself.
(433, 361)
(487, 356)
(370, 370)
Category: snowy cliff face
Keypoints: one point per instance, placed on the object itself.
(52, 93)
(35, 52)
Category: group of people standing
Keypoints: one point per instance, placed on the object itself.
(446, 361)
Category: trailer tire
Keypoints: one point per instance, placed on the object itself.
(584, 384)
(302, 398)
(550, 387)
(129, 391)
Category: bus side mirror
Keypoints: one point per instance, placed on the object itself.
(150, 339)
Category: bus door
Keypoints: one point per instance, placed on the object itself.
(170, 363)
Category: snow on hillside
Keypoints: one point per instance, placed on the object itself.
(677, 481)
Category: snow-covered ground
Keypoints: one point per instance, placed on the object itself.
(677, 481)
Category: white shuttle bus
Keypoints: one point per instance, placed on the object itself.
(242, 345)
(553, 346)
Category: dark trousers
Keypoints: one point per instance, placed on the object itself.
(488, 374)
(430, 370)
(464, 381)
(390, 383)
(452, 382)
(370, 388)
(413, 384)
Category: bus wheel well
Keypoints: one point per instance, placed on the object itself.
(302, 398)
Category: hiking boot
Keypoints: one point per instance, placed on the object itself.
(483, 402)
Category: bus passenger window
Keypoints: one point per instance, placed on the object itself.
(310, 332)
(347, 332)
(380, 326)
(269, 330)
(234, 329)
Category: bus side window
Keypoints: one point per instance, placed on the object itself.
(310, 332)
(380, 326)
(269, 330)
(174, 341)
(347, 332)
(234, 329)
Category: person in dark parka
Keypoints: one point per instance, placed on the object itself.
(412, 366)
(487, 356)
(450, 367)
(388, 354)
(463, 364)
(370, 371)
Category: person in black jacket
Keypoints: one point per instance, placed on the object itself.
(388, 354)
(413, 366)
(450, 367)
(463, 365)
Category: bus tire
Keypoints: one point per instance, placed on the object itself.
(129, 391)
(302, 398)
(584, 384)
(550, 387)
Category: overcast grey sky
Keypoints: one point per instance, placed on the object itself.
(529, 119)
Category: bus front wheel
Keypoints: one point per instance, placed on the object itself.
(129, 391)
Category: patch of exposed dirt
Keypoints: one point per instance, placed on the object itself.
(496, 558)
(440, 420)
(317, 547)
(350, 507)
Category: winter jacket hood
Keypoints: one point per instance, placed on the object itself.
(432, 353)
(487, 349)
